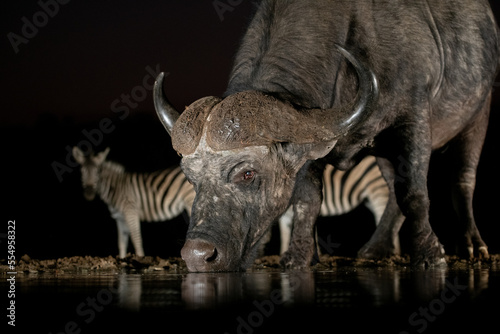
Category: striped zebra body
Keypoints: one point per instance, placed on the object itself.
(135, 197)
(156, 196)
(343, 191)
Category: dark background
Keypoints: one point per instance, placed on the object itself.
(67, 77)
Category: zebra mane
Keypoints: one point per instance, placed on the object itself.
(113, 167)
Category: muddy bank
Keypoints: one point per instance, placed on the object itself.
(85, 264)
(330, 262)
(132, 263)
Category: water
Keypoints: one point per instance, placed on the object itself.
(347, 300)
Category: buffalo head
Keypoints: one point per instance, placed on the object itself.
(243, 154)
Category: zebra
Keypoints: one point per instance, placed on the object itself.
(165, 194)
(134, 197)
(343, 191)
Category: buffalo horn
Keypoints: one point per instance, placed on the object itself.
(368, 90)
(167, 114)
(349, 116)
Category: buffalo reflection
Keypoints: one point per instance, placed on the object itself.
(206, 290)
(337, 288)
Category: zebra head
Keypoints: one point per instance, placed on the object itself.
(90, 168)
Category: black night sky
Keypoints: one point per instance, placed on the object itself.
(82, 71)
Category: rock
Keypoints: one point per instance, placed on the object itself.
(26, 258)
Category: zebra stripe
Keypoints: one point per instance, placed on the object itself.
(343, 191)
(156, 196)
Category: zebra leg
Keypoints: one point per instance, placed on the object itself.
(123, 231)
(123, 235)
(385, 240)
(285, 223)
(466, 148)
(134, 225)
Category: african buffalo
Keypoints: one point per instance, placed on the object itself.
(331, 81)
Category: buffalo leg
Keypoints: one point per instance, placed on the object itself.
(466, 148)
(306, 202)
(410, 186)
(385, 241)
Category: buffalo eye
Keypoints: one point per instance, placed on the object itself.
(245, 177)
(248, 175)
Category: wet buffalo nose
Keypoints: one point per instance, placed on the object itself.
(200, 255)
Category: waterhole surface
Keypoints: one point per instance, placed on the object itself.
(339, 300)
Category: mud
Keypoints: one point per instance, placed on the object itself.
(132, 263)
(84, 264)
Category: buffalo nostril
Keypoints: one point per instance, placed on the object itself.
(204, 251)
(213, 256)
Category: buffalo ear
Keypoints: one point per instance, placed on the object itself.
(297, 154)
(319, 150)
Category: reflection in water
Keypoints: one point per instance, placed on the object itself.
(383, 285)
(478, 281)
(428, 283)
(297, 287)
(207, 290)
(338, 289)
(392, 300)
(129, 292)
(204, 290)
